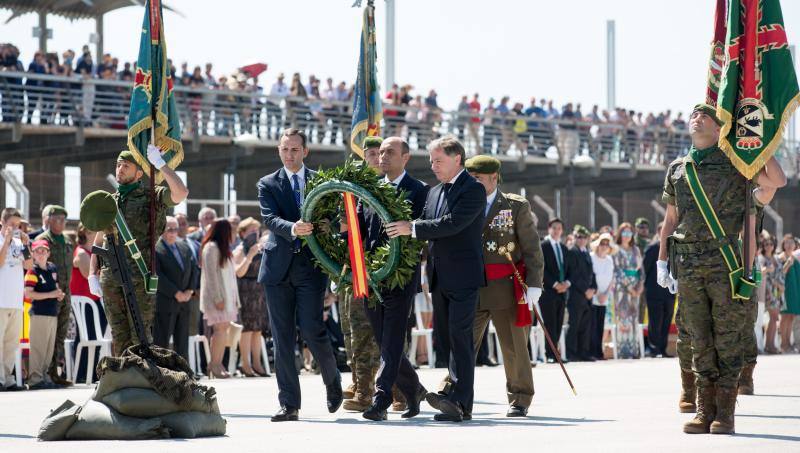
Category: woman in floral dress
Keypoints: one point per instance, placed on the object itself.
(628, 286)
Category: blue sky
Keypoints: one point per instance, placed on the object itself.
(520, 48)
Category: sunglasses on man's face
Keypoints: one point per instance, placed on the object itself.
(171, 230)
(580, 236)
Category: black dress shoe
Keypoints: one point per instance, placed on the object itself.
(434, 399)
(448, 418)
(588, 358)
(487, 362)
(413, 404)
(374, 413)
(286, 414)
(334, 394)
(450, 408)
(517, 411)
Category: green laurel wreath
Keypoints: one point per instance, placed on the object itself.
(389, 266)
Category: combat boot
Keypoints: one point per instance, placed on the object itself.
(399, 404)
(746, 379)
(359, 403)
(350, 391)
(706, 411)
(687, 404)
(726, 405)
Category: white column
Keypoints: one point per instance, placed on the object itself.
(390, 50)
(611, 65)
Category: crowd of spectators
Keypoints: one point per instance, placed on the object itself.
(601, 287)
(322, 109)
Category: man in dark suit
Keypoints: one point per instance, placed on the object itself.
(389, 320)
(660, 302)
(579, 303)
(555, 282)
(452, 223)
(295, 288)
(178, 279)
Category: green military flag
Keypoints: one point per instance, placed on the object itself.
(367, 110)
(153, 114)
(758, 92)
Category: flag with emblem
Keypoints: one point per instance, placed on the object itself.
(367, 110)
(153, 114)
(758, 92)
(717, 58)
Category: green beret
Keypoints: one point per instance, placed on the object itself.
(55, 209)
(582, 230)
(708, 110)
(127, 155)
(641, 221)
(372, 142)
(482, 164)
(98, 210)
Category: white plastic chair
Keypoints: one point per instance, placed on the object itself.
(562, 341)
(613, 329)
(264, 355)
(494, 343)
(18, 361)
(640, 334)
(79, 304)
(537, 340)
(195, 343)
(233, 355)
(427, 333)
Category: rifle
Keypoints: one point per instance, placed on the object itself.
(114, 257)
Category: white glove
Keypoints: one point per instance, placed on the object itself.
(154, 156)
(94, 286)
(532, 297)
(664, 278)
(673, 285)
(662, 275)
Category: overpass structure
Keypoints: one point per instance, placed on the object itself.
(60, 136)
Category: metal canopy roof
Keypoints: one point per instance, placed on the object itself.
(71, 9)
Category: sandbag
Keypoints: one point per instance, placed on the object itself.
(194, 424)
(60, 420)
(96, 421)
(140, 402)
(111, 381)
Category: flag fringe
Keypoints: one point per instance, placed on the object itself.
(751, 170)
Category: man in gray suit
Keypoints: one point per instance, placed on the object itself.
(178, 279)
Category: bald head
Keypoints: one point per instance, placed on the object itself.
(394, 156)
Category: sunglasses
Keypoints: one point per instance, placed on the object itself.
(172, 230)
(580, 236)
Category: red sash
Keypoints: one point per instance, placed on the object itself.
(498, 271)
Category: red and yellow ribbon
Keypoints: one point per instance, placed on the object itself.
(356, 247)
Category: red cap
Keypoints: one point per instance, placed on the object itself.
(40, 243)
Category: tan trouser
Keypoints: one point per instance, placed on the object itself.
(10, 328)
(43, 341)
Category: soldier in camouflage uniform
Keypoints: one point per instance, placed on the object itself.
(709, 312)
(133, 201)
(769, 180)
(362, 352)
(61, 248)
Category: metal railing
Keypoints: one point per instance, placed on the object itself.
(88, 102)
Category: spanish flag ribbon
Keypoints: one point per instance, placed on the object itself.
(356, 248)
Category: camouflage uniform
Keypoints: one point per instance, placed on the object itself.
(61, 249)
(135, 207)
(362, 352)
(708, 312)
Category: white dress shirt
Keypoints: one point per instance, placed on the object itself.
(396, 181)
(301, 175)
(438, 203)
(489, 200)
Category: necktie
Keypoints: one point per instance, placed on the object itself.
(488, 206)
(443, 198)
(560, 260)
(298, 199)
(298, 196)
(174, 249)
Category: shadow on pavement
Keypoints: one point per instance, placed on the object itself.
(784, 417)
(769, 436)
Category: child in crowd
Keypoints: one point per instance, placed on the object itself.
(41, 287)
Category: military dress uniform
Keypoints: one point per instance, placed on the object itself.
(134, 204)
(61, 250)
(708, 311)
(508, 226)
